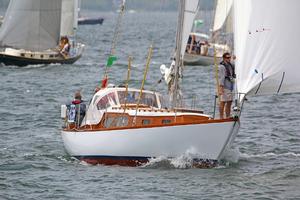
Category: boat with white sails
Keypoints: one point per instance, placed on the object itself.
(31, 32)
(127, 126)
(207, 50)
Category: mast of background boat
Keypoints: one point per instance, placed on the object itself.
(178, 59)
(75, 22)
(112, 57)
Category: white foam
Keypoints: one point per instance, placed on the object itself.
(270, 154)
(232, 155)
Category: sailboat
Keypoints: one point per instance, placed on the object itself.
(208, 49)
(84, 20)
(31, 31)
(90, 20)
(128, 126)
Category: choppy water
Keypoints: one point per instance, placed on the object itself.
(264, 163)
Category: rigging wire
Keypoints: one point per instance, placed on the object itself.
(116, 34)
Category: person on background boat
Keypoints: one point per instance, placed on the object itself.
(64, 46)
(204, 48)
(77, 109)
(192, 43)
(226, 85)
(188, 44)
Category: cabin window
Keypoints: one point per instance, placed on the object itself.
(23, 54)
(95, 99)
(132, 97)
(31, 55)
(107, 101)
(145, 121)
(163, 102)
(111, 122)
(42, 56)
(51, 56)
(149, 99)
(166, 121)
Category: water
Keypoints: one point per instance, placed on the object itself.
(263, 164)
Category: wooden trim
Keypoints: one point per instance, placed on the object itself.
(156, 121)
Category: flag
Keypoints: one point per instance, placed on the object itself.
(198, 22)
(110, 60)
(104, 82)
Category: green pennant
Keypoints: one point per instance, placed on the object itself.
(198, 22)
(110, 61)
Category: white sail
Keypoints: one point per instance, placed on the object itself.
(31, 24)
(76, 13)
(190, 11)
(69, 17)
(222, 13)
(267, 46)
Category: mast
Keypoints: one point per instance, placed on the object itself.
(178, 56)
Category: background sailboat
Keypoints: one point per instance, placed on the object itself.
(84, 20)
(220, 41)
(31, 32)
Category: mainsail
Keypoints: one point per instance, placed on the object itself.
(69, 17)
(31, 24)
(190, 10)
(222, 13)
(267, 46)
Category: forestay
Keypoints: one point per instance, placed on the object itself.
(267, 39)
(31, 24)
(69, 17)
(190, 11)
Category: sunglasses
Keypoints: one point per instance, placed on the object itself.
(228, 57)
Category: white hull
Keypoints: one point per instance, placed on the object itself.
(203, 141)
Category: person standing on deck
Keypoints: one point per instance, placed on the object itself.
(77, 109)
(226, 85)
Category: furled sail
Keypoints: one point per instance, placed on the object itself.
(31, 24)
(186, 15)
(69, 17)
(222, 13)
(190, 11)
(267, 46)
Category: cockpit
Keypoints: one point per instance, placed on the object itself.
(116, 97)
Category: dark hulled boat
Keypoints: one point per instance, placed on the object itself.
(26, 39)
(90, 21)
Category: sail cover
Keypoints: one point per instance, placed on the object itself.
(31, 24)
(190, 11)
(267, 46)
(69, 17)
(223, 12)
